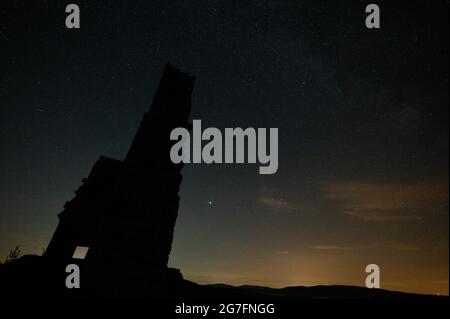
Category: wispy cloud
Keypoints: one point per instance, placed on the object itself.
(388, 201)
(275, 204)
(331, 247)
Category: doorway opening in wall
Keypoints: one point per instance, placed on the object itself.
(80, 252)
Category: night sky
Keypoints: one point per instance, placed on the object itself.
(362, 118)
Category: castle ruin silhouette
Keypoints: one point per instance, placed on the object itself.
(125, 211)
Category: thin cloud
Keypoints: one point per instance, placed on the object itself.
(275, 204)
(387, 201)
(331, 247)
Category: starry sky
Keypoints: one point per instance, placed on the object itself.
(362, 118)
